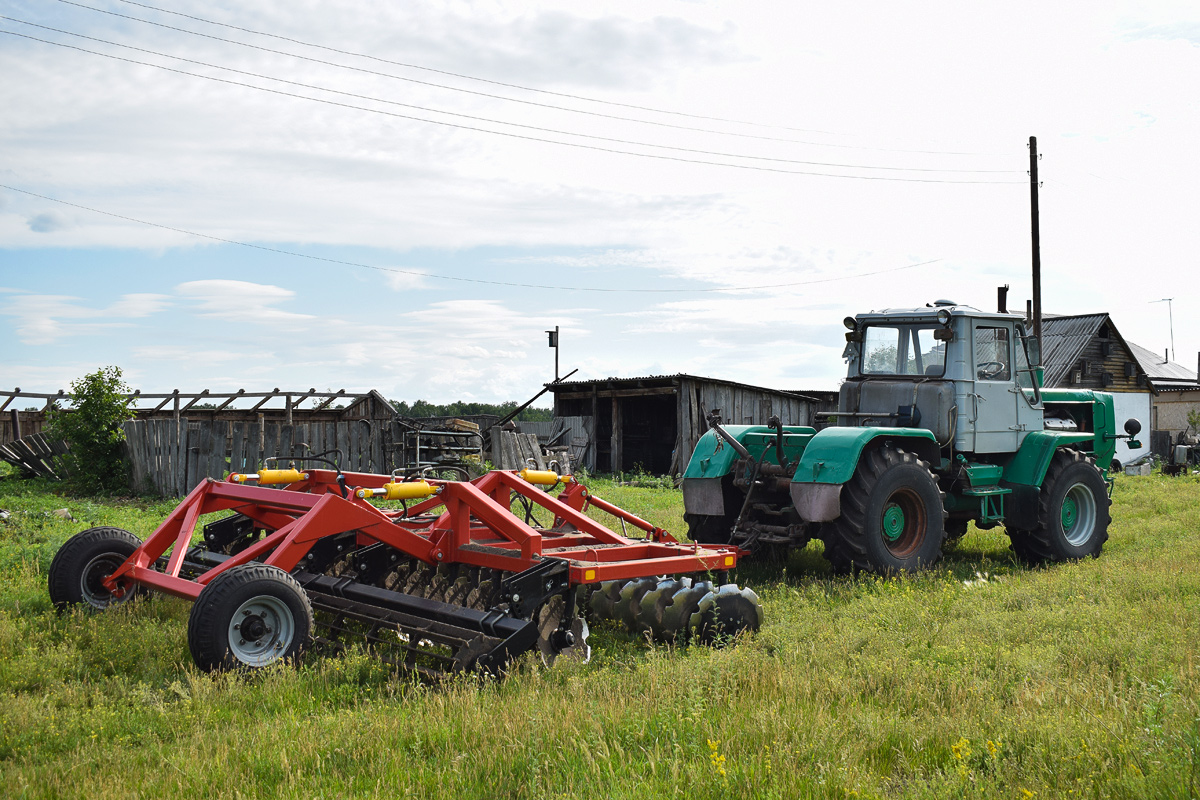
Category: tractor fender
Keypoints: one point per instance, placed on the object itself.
(1028, 466)
(713, 458)
(832, 456)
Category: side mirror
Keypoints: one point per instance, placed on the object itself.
(1133, 427)
(1033, 348)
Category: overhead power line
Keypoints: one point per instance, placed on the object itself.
(542, 129)
(420, 274)
(496, 83)
(509, 134)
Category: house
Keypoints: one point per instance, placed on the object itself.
(1175, 392)
(654, 422)
(1086, 351)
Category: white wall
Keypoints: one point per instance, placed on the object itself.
(1136, 405)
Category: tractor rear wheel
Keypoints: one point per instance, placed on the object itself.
(1073, 514)
(80, 566)
(249, 617)
(892, 516)
(710, 528)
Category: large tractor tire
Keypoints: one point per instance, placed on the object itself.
(249, 617)
(1073, 514)
(892, 516)
(84, 561)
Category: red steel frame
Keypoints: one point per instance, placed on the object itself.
(476, 527)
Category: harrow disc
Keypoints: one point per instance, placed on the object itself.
(629, 606)
(725, 613)
(677, 616)
(655, 603)
(553, 642)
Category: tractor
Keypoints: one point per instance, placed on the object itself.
(941, 421)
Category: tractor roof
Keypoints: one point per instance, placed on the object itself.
(931, 310)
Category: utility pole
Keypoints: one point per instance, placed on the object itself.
(554, 344)
(1170, 321)
(1037, 239)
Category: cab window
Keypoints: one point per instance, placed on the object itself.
(992, 354)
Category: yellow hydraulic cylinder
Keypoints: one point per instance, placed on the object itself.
(265, 477)
(410, 490)
(539, 477)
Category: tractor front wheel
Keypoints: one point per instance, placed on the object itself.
(892, 516)
(1073, 514)
(80, 566)
(249, 617)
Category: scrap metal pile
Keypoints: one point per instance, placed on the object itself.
(432, 576)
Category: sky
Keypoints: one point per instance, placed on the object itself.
(405, 197)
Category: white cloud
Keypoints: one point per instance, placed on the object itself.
(240, 301)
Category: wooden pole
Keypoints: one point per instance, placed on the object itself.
(1037, 239)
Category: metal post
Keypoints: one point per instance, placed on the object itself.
(554, 343)
(1037, 239)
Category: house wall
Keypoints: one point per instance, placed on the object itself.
(1136, 405)
(1106, 365)
(1171, 410)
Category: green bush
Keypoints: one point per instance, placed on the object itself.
(92, 428)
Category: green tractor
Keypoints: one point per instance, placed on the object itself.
(941, 421)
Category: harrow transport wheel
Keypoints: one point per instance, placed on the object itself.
(1073, 513)
(892, 516)
(249, 617)
(84, 561)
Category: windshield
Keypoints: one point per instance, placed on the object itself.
(903, 350)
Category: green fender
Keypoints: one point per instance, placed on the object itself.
(832, 455)
(1028, 467)
(712, 458)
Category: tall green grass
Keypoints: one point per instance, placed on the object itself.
(981, 678)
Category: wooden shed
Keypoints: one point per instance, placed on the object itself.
(619, 424)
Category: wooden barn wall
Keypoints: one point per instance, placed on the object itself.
(31, 422)
(738, 405)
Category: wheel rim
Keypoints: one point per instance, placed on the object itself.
(893, 522)
(1078, 514)
(903, 523)
(261, 630)
(91, 581)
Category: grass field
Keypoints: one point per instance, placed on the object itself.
(981, 678)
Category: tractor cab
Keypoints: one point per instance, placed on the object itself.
(960, 373)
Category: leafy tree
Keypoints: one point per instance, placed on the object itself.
(92, 428)
(458, 408)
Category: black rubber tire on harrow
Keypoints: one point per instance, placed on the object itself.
(1073, 515)
(265, 598)
(892, 491)
(84, 561)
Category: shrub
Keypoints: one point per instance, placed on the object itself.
(95, 464)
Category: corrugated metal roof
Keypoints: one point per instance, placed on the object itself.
(1163, 374)
(1063, 339)
(666, 379)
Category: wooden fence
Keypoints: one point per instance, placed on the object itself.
(169, 457)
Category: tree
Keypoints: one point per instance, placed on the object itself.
(92, 429)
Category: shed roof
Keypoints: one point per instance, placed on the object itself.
(1164, 375)
(651, 381)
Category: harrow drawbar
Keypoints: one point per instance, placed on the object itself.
(442, 577)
